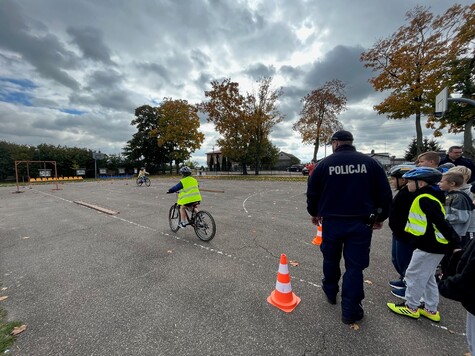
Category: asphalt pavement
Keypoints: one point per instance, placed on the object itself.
(87, 282)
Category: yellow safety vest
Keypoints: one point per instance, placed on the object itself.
(190, 192)
(417, 220)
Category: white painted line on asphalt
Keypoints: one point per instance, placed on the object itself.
(54, 196)
(210, 249)
(447, 329)
(245, 200)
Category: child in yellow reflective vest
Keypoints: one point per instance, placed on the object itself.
(432, 237)
(188, 193)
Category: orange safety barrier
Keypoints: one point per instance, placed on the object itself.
(319, 238)
(283, 297)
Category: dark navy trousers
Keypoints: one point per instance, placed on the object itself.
(352, 238)
(401, 254)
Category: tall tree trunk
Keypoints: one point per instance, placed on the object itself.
(315, 148)
(418, 133)
(468, 148)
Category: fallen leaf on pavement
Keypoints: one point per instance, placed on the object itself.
(354, 326)
(368, 282)
(25, 237)
(18, 330)
(3, 298)
(169, 251)
(293, 263)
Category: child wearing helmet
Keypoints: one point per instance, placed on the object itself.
(142, 173)
(401, 251)
(432, 237)
(188, 193)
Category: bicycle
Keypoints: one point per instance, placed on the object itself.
(202, 221)
(143, 180)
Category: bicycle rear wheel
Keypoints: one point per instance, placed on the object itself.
(205, 227)
(139, 181)
(174, 217)
(147, 181)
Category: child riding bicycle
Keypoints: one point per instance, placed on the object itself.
(188, 193)
(142, 174)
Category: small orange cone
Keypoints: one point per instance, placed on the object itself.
(283, 297)
(319, 238)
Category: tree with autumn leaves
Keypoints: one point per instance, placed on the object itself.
(244, 121)
(177, 130)
(167, 133)
(414, 64)
(319, 116)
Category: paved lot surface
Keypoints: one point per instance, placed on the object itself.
(88, 283)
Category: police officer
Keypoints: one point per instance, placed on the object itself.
(349, 195)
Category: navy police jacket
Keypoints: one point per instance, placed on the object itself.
(348, 184)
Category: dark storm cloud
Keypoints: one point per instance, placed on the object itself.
(156, 68)
(108, 79)
(90, 41)
(117, 99)
(203, 82)
(260, 70)
(42, 50)
(199, 58)
(342, 63)
(291, 73)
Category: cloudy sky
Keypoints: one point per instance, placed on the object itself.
(73, 72)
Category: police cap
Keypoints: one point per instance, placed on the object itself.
(342, 135)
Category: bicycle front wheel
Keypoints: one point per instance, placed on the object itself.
(174, 217)
(205, 227)
(147, 182)
(139, 182)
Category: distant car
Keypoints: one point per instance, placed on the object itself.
(305, 171)
(296, 168)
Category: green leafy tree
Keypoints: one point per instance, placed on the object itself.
(177, 130)
(7, 161)
(143, 147)
(319, 116)
(427, 145)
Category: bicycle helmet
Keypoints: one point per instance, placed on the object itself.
(185, 171)
(429, 175)
(400, 169)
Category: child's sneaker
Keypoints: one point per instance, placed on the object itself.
(403, 309)
(182, 224)
(434, 316)
(400, 293)
(397, 284)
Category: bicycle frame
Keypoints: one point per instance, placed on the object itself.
(202, 221)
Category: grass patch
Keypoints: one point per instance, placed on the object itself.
(6, 340)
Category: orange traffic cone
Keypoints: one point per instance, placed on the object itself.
(283, 297)
(319, 238)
